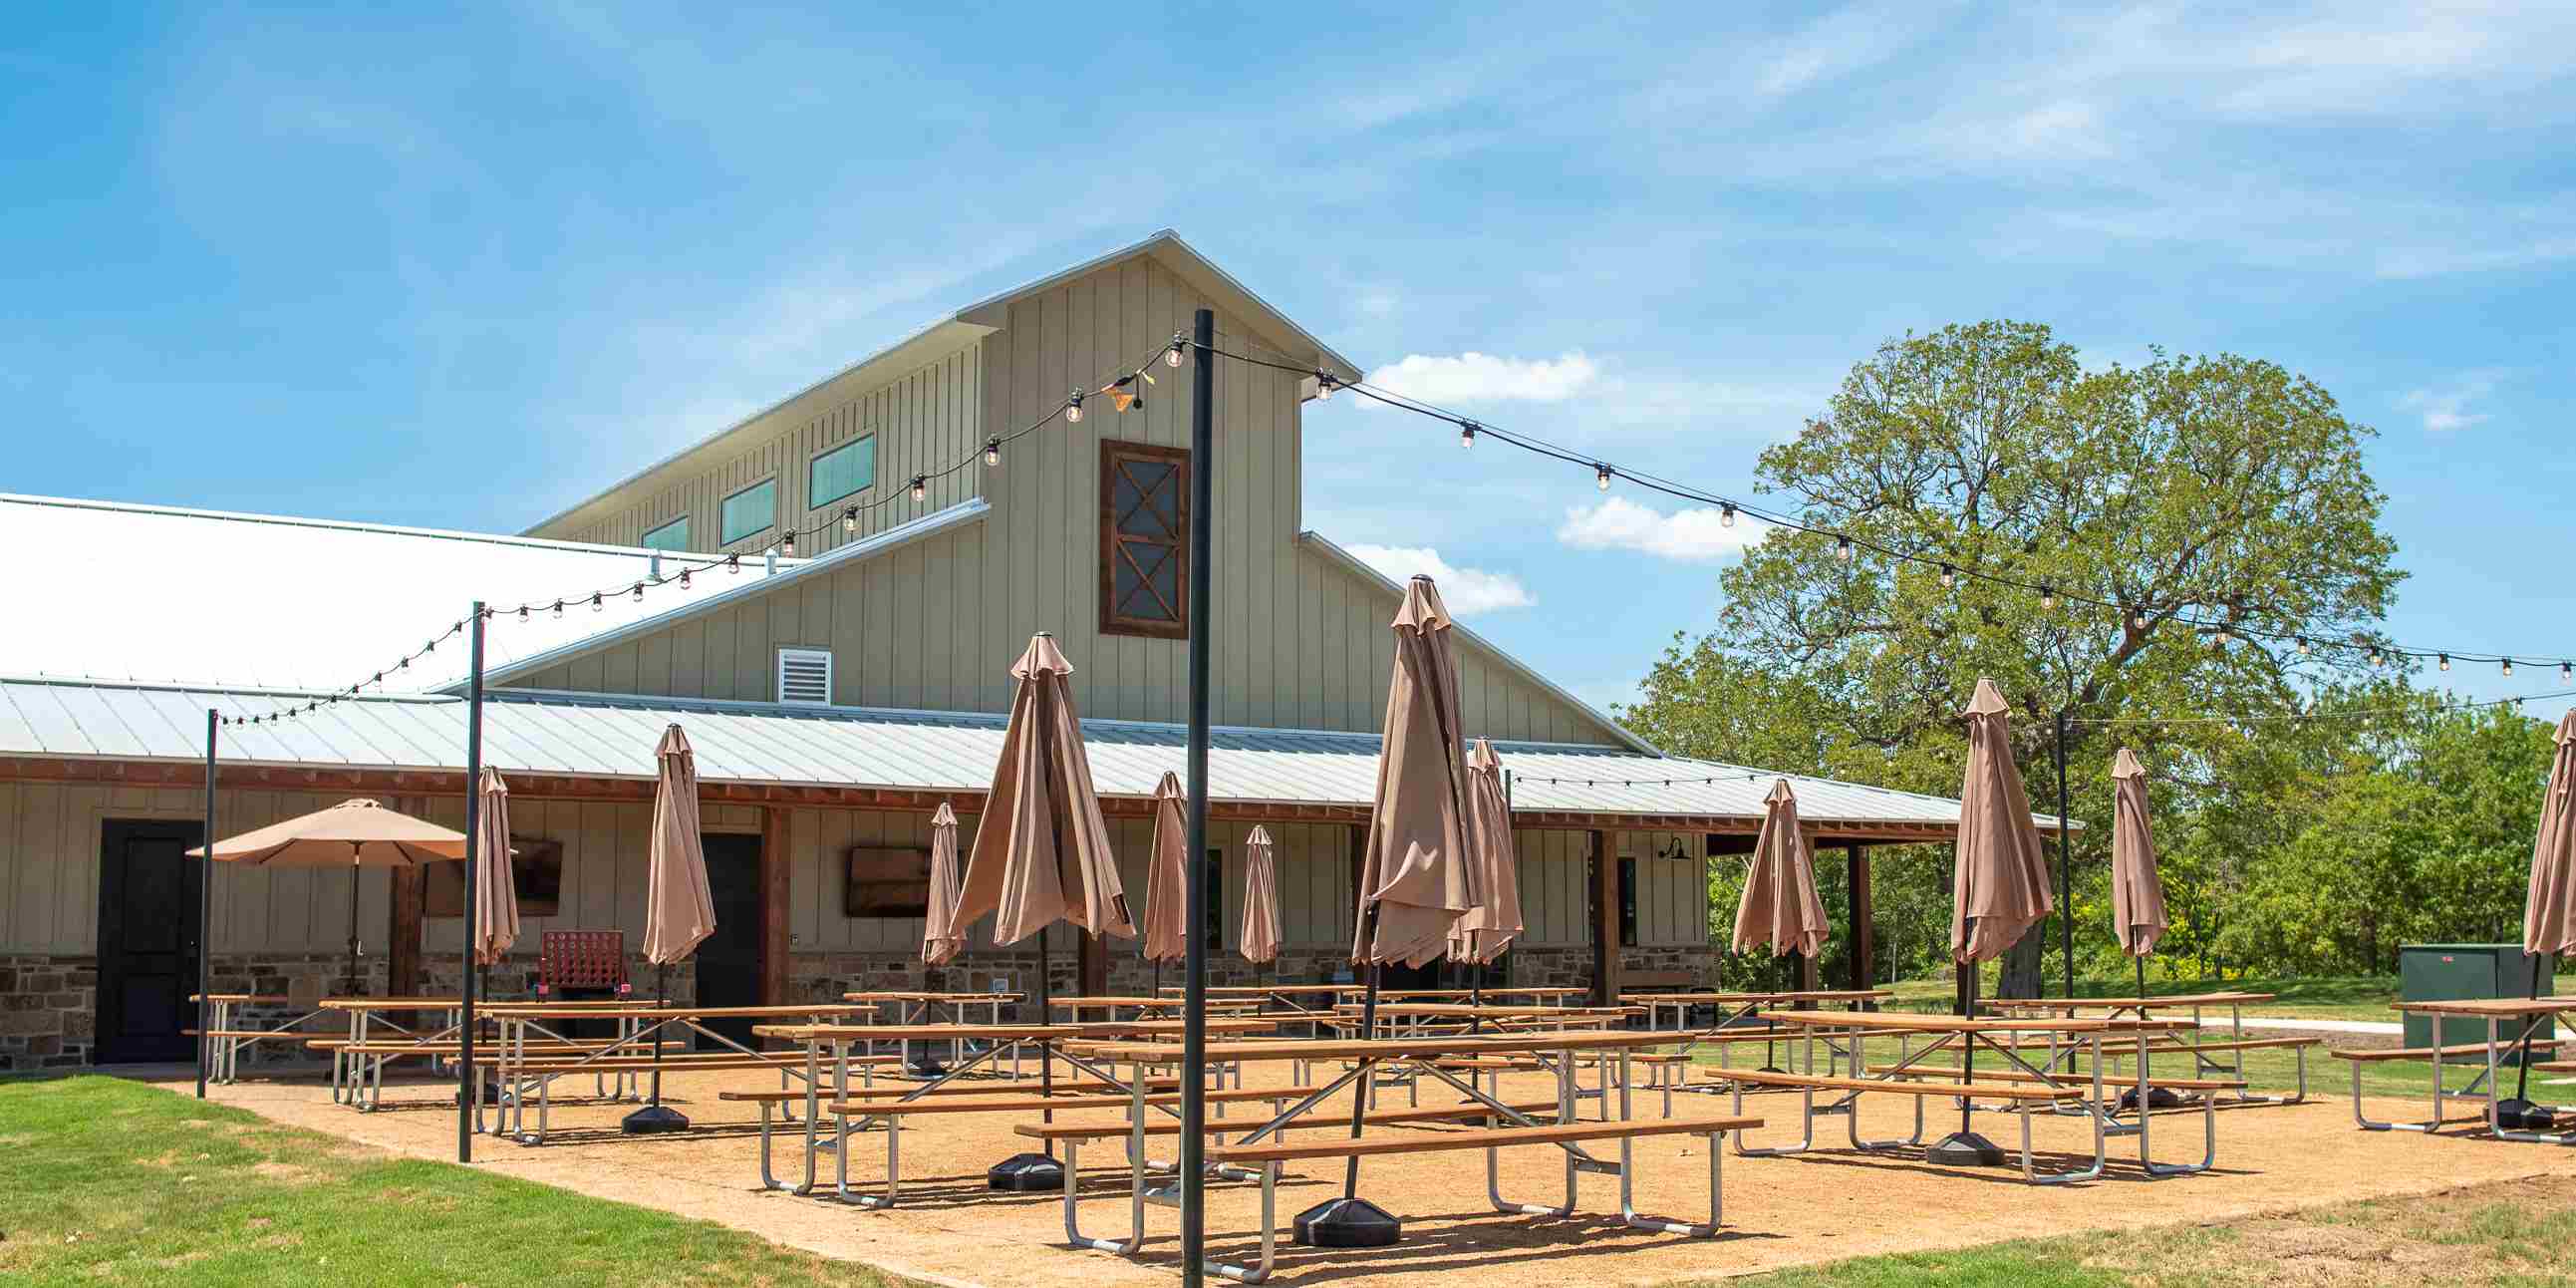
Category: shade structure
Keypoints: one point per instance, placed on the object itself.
(1489, 927)
(1042, 847)
(2137, 892)
(1415, 875)
(679, 912)
(942, 935)
(354, 833)
(1259, 940)
(2549, 908)
(496, 896)
(1167, 875)
(1781, 909)
(2000, 886)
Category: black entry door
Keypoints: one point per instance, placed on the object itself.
(729, 960)
(147, 940)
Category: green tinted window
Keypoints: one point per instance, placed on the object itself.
(670, 536)
(845, 469)
(750, 510)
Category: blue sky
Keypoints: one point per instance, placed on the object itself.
(461, 270)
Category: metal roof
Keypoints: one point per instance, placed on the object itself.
(590, 735)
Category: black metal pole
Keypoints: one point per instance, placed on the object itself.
(473, 826)
(1194, 935)
(1368, 1076)
(206, 910)
(2065, 881)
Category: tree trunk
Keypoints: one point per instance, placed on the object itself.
(2021, 966)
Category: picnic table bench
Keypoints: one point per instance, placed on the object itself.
(2484, 1086)
(2199, 1047)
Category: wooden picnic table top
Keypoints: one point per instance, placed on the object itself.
(389, 1004)
(255, 998)
(1553, 991)
(2222, 998)
(1791, 996)
(1256, 990)
(1157, 1003)
(897, 995)
(1102, 1029)
(1897, 1022)
(1463, 1011)
(1398, 1048)
(2484, 1008)
(583, 1010)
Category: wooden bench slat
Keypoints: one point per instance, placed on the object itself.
(1984, 1091)
(953, 1089)
(1006, 1104)
(1481, 1138)
(2426, 1053)
(2071, 1081)
(1172, 1127)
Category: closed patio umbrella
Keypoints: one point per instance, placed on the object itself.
(1416, 876)
(943, 936)
(679, 911)
(2137, 892)
(1999, 888)
(2548, 909)
(1780, 909)
(1167, 878)
(496, 897)
(1042, 852)
(1259, 941)
(353, 834)
(1489, 928)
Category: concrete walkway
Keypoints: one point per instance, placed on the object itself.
(2300, 1024)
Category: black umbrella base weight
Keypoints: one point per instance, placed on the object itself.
(1025, 1173)
(922, 1066)
(1964, 1149)
(1347, 1223)
(2157, 1098)
(652, 1120)
(2518, 1114)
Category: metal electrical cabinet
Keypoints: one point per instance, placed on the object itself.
(2446, 972)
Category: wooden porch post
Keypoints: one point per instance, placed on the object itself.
(773, 905)
(1605, 929)
(1864, 958)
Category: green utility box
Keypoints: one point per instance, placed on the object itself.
(2444, 972)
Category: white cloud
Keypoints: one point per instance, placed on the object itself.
(1467, 591)
(1698, 535)
(2447, 408)
(1478, 377)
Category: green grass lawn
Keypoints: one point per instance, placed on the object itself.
(2359, 997)
(113, 1182)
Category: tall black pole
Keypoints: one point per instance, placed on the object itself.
(206, 910)
(2065, 882)
(473, 829)
(1194, 937)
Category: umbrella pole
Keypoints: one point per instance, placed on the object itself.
(2517, 1113)
(1964, 1147)
(653, 1117)
(1028, 1171)
(206, 911)
(1359, 1102)
(1350, 1221)
(356, 987)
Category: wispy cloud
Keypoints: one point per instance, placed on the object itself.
(1467, 591)
(1694, 535)
(1473, 377)
(2447, 408)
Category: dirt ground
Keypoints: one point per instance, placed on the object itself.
(1822, 1206)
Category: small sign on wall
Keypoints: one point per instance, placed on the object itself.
(886, 881)
(536, 872)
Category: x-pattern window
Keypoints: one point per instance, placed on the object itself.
(1145, 524)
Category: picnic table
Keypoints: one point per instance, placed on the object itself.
(1110, 1004)
(2496, 1011)
(1363, 1057)
(643, 1029)
(2020, 1085)
(828, 1044)
(920, 1007)
(222, 1041)
(1732, 1007)
(2202, 1045)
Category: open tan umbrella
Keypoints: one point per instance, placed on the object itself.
(1415, 876)
(1259, 941)
(496, 896)
(2548, 911)
(942, 936)
(1042, 854)
(1999, 888)
(679, 911)
(2137, 892)
(352, 834)
(1488, 928)
(1042, 849)
(1781, 909)
(1167, 878)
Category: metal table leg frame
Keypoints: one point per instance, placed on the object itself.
(1806, 1127)
(1260, 1270)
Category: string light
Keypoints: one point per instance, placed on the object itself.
(594, 602)
(684, 579)
(2303, 645)
(787, 543)
(1726, 515)
(1073, 408)
(2138, 620)
(2047, 594)
(558, 610)
(992, 452)
(2508, 668)
(850, 519)
(733, 565)
(1601, 477)
(2446, 661)
(920, 487)
(1949, 577)
(1324, 383)
(1467, 434)
(2567, 671)
(1172, 356)
(639, 592)
(1843, 548)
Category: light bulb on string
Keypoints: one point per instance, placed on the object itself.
(684, 579)
(2445, 661)
(1467, 434)
(1949, 577)
(2138, 620)
(787, 544)
(594, 601)
(523, 616)
(992, 452)
(1843, 549)
(2303, 645)
(850, 519)
(1726, 514)
(1073, 408)
(2508, 668)
(920, 487)
(1172, 356)
(1601, 477)
(2566, 671)
(558, 610)
(1323, 386)
(733, 564)
(639, 592)
(2048, 597)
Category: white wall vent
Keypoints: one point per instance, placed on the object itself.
(805, 676)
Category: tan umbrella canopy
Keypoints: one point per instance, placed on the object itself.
(1781, 909)
(1259, 941)
(1415, 874)
(1489, 927)
(2000, 887)
(942, 936)
(496, 896)
(2549, 910)
(2137, 892)
(679, 912)
(1042, 848)
(352, 834)
(1167, 875)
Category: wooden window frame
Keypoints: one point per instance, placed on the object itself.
(1112, 452)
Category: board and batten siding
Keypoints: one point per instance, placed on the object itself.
(1302, 640)
(924, 422)
(1556, 897)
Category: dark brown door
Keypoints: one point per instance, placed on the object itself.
(147, 940)
(729, 960)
